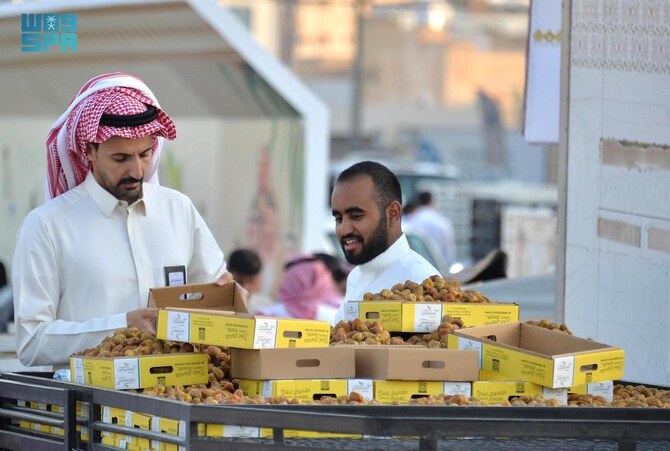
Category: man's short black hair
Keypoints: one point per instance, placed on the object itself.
(387, 186)
(424, 198)
(245, 262)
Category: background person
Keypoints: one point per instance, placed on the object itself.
(245, 265)
(337, 269)
(6, 306)
(86, 259)
(366, 205)
(307, 290)
(431, 223)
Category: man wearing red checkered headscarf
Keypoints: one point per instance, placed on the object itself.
(108, 232)
(116, 94)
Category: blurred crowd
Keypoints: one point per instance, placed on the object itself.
(312, 286)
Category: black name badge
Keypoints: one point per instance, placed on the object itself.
(175, 275)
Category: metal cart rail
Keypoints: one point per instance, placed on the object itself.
(378, 424)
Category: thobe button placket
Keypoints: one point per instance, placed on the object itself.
(140, 255)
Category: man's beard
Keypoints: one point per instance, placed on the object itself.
(376, 244)
(130, 196)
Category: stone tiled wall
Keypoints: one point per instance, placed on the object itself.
(617, 261)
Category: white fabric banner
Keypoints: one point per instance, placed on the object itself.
(543, 72)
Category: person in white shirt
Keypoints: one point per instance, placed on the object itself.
(86, 259)
(367, 206)
(431, 223)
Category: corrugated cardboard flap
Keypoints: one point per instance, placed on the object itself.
(533, 340)
(207, 296)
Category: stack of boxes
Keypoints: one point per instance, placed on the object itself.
(514, 359)
(494, 359)
(82, 412)
(540, 360)
(270, 356)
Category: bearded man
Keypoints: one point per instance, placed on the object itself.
(367, 206)
(86, 259)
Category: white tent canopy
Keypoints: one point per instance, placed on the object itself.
(197, 57)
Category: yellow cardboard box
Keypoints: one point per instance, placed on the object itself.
(167, 426)
(494, 388)
(45, 429)
(130, 419)
(535, 354)
(484, 314)
(307, 390)
(122, 373)
(399, 316)
(113, 415)
(604, 389)
(123, 417)
(83, 432)
(389, 392)
(296, 433)
(108, 439)
(220, 430)
(81, 409)
(212, 314)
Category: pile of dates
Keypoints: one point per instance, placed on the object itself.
(359, 332)
(433, 289)
(130, 342)
(551, 326)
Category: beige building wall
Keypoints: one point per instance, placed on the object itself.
(500, 73)
(325, 36)
(400, 67)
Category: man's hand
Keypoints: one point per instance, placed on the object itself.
(228, 277)
(143, 319)
(224, 279)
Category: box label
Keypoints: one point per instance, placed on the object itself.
(457, 388)
(467, 344)
(559, 394)
(240, 431)
(564, 368)
(267, 389)
(388, 392)
(178, 325)
(362, 386)
(265, 334)
(127, 372)
(604, 389)
(350, 311)
(427, 317)
(79, 371)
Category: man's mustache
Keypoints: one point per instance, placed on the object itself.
(131, 180)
